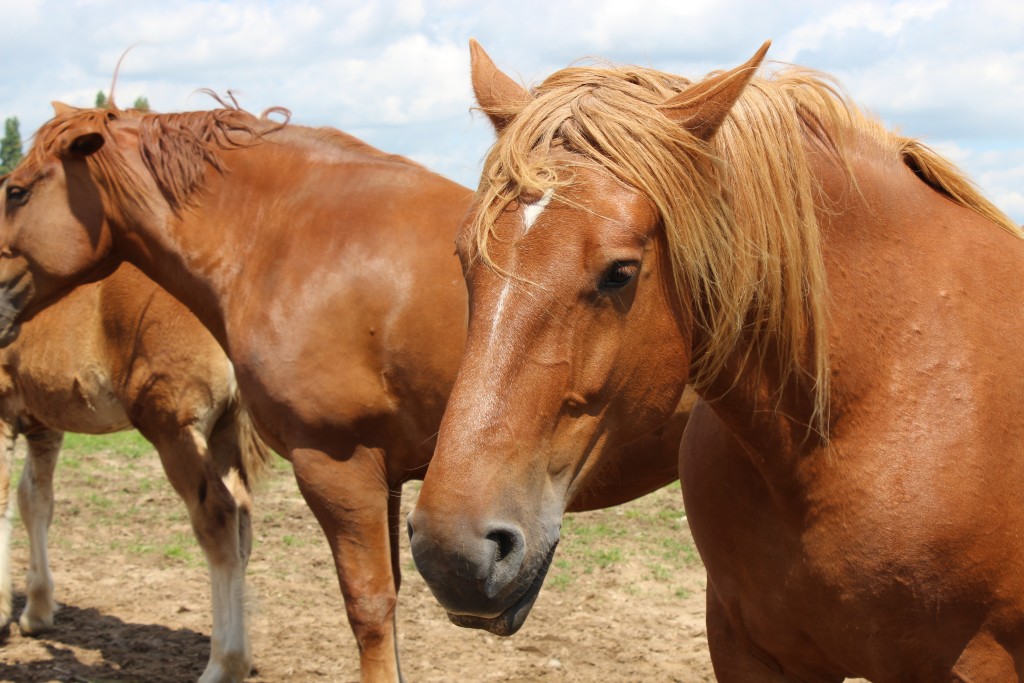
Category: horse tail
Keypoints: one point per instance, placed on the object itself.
(235, 434)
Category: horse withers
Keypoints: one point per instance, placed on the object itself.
(119, 353)
(847, 305)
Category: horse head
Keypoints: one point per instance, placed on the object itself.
(581, 329)
(54, 228)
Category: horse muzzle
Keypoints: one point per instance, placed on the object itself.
(487, 579)
(16, 291)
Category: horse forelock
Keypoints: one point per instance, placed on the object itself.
(739, 214)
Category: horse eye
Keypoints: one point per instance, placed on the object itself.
(620, 274)
(16, 194)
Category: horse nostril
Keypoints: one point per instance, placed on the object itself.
(505, 543)
(505, 550)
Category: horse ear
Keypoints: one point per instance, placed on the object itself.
(59, 108)
(499, 96)
(80, 142)
(702, 108)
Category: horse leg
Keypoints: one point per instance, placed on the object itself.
(985, 659)
(239, 456)
(396, 525)
(9, 435)
(350, 498)
(216, 522)
(35, 502)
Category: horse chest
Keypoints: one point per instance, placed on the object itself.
(859, 578)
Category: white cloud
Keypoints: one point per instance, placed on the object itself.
(397, 71)
(886, 19)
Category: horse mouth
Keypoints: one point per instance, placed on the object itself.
(513, 618)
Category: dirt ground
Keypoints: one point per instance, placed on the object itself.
(623, 602)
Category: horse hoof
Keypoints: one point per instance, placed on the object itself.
(33, 626)
(229, 670)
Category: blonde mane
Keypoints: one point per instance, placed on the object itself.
(739, 213)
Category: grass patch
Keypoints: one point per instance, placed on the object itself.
(562, 575)
(70, 460)
(679, 551)
(603, 558)
(660, 573)
(129, 443)
(583, 533)
(559, 581)
(180, 552)
(99, 500)
(134, 547)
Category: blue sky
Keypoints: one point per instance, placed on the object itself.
(397, 73)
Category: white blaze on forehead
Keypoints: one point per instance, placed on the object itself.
(531, 212)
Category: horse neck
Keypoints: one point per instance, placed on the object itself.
(165, 247)
(209, 254)
(888, 243)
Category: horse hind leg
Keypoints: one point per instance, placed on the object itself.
(240, 458)
(216, 519)
(8, 434)
(35, 502)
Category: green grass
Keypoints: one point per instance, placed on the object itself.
(179, 551)
(679, 551)
(561, 576)
(560, 581)
(602, 558)
(110, 496)
(100, 501)
(129, 443)
(645, 545)
(660, 573)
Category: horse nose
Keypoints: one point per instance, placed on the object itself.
(503, 549)
(469, 572)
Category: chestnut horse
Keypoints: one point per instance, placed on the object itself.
(122, 353)
(848, 307)
(326, 270)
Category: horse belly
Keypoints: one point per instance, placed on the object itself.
(85, 401)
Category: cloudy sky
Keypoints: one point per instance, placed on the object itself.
(395, 73)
